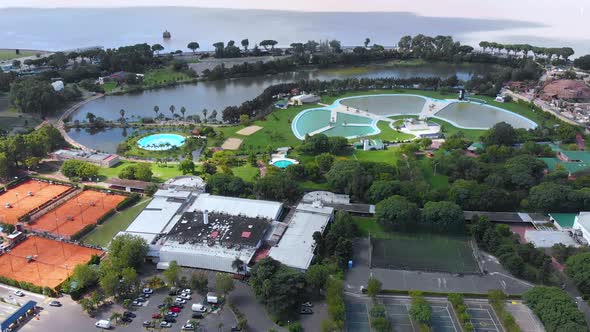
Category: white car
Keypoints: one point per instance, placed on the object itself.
(188, 326)
(148, 291)
(103, 324)
(180, 300)
(185, 296)
(187, 291)
(19, 293)
(165, 324)
(172, 314)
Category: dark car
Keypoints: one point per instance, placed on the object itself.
(161, 305)
(55, 304)
(236, 329)
(197, 315)
(129, 314)
(126, 320)
(306, 311)
(169, 319)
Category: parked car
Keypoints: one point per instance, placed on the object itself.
(185, 296)
(145, 296)
(147, 291)
(136, 303)
(149, 324)
(170, 319)
(129, 314)
(157, 316)
(103, 324)
(172, 314)
(198, 307)
(187, 291)
(19, 293)
(197, 315)
(307, 304)
(188, 326)
(55, 304)
(161, 305)
(180, 300)
(236, 329)
(306, 311)
(126, 319)
(140, 299)
(175, 309)
(165, 325)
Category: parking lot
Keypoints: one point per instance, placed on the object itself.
(483, 317)
(357, 315)
(398, 312)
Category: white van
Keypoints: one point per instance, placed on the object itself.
(197, 307)
(212, 298)
(103, 324)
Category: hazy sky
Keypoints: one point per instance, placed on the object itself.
(564, 16)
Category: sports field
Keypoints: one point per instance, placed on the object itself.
(22, 203)
(79, 211)
(425, 252)
(43, 262)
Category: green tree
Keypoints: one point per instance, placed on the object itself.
(199, 282)
(244, 120)
(172, 273)
(224, 283)
(324, 162)
(157, 48)
(501, 134)
(109, 282)
(316, 277)
(396, 213)
(583, 62)
(85, 275)
(193, 46)
(380, 190)
(443, 217)
(127, 251)
(30, 95)
(578, 268)
(555, 309)
(420, 310)
(245, 43)
(373, 287)
(186, 166)
(277, 187)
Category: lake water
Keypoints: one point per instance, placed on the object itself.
(217, 95)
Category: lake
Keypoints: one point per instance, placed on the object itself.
(216, 95)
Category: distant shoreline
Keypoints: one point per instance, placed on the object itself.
(25, 50)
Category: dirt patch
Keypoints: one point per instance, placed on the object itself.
(231, 144)
(249, 130)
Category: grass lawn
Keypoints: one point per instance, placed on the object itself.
(103, 234)
(11, 54)
(247, 173)
(390, 156)
(109, 86)
(417, 251)
(164, 75)
(310, 185)
(161, 173)
(388, 134)
(437, 181)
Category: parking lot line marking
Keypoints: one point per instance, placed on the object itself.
(408, 313)
(452, 322)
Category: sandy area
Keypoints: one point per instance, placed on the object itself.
(231, 144)
(249, 130)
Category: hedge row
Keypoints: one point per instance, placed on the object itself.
(507, 320)
(461, 310)
(66, 183)
(81, 233)
(28, 286)
(129, 201)
(106, 190)
(442, 294)
(106, 216)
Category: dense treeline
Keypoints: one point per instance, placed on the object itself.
(556, 309)
(35, 95)
(27, 150)
(522, 260)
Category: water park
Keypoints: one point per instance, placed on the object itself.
(357, 116)
(161, 142)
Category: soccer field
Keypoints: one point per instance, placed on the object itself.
(425, 252)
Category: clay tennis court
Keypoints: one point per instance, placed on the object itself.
(79, 211)
(52, 262)
(20, 201)
(248, 130)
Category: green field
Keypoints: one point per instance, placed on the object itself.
(11, 54)
(390, 156)
(103, 234)
(247, 173)
(388, 134)
(425, 252)
(161, 76)
(161, 173)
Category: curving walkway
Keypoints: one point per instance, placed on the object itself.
(67, 113)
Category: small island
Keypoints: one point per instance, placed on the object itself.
(166, 35)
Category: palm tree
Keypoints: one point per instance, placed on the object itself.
(205, 111)
(168, 301)
(367, 41)
(245, 44)
(237, 265)
(115, 316)
(156, 110)
(182, 111)
(172, 109)
(122, 112)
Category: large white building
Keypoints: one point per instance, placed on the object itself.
(296, 246)
(582, 226)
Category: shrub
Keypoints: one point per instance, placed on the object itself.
(84, 231)
(129, 201)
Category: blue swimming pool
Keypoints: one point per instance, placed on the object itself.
(283, 163)
(161, 142)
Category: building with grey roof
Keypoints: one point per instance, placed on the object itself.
(296, 246)
(97, 158)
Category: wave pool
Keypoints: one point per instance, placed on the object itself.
(161, 142)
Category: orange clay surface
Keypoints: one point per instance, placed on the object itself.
(75, 214)
(53, 261)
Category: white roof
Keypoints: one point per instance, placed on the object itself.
(237, 206)
(326, 197)
(154, 218)
(172, 193)
(202, 256)
(546, 239)
(295, 249)
(583, 219)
